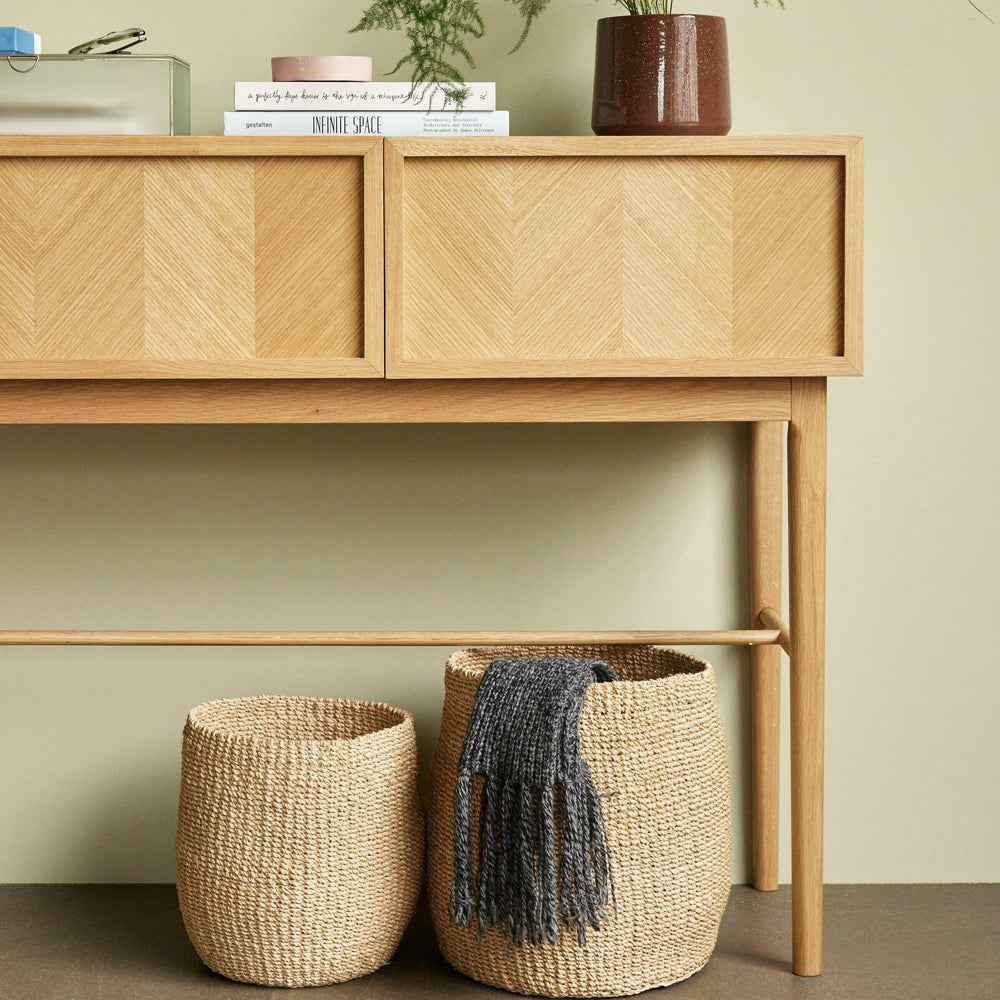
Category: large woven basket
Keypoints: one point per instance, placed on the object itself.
(300, 837)
(654, 744)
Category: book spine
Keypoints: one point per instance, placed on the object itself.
(387, 123)
(391, 96)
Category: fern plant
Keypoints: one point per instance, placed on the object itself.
(439, 32)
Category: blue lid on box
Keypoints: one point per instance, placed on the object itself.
(18, 42)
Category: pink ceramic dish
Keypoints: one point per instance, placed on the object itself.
(296, 69)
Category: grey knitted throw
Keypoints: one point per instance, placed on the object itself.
(523, 738)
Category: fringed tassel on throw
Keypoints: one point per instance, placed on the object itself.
(515, 884)
(461, 885)
(543, 862)
(604, 887)
(548, 921)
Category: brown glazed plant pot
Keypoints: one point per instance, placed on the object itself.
(661, 74)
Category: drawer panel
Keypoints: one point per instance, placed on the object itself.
(214, 266)
(652, 264)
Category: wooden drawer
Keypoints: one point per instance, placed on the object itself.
(659, 257)
(193, 258)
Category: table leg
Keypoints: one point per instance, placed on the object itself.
(766, 480)
(807, 597)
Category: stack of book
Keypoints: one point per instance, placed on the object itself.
(388, 108)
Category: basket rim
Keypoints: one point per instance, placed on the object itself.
(402, 718)
(699, 668)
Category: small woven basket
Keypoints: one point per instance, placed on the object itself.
(654, 744)
(300, 837)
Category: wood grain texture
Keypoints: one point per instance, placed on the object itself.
(310, 279)
(183, 145)
(17, 237)
(788, 257)
(199, 233)
(395, 302)
(701, 257)
(765, 516)
(511, 367)
(198, 266)
(854, 227)
(730, 145)
(383, 401)
(617, 265)
(677, 255)
(458, 278)
(769, 618)
(87, 258)
(555, 315)
(807, 632)
(662, 637)
(373, 236)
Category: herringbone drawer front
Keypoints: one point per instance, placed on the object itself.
(616, 265)
(194, 266)
(213, 257)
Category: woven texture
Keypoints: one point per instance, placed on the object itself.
(300, 837)
(653, 741)
(537, 802)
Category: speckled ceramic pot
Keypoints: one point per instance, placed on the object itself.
(661, 74)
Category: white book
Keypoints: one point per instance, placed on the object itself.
(389, 123)
(384, 96)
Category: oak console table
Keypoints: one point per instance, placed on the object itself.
(211, 280)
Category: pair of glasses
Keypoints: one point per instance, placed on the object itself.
(131, 36)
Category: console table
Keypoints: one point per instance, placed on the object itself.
(228, 280)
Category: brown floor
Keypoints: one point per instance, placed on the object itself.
(918, 942)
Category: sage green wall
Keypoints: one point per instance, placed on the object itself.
(551, 527)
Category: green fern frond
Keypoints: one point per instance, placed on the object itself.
(438, 31)
(530, 9)
(382, 15)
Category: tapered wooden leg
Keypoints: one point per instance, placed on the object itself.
(807, 615)
(766, 465)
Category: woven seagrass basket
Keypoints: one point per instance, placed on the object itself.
(654, 744)
(300, 837)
